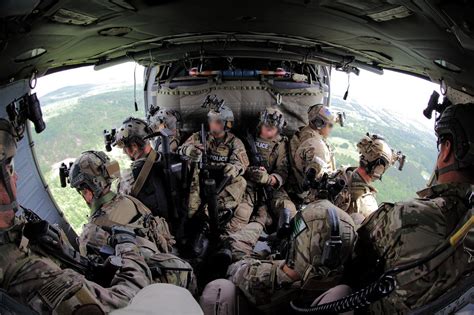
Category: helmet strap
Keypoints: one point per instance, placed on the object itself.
(450, 168)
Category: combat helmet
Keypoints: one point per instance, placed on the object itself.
(132, 130)
(169, 118)
(455, 123)
(93, 170)
(7, 153)
(319, 116)
(272, 117)
(376, 156)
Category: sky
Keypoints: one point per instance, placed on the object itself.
(398, 92)
(402, 93)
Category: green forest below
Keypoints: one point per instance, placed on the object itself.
(77, 116)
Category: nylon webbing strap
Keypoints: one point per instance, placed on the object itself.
(140, 181)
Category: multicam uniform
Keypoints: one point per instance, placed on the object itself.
(221, 152)
(38, 282)
(358, 197)
(430, 235)
(266, 284)
(154, 240)
(272, 155)
(92, 170)
(162, 118)
(405, 231)
(311, 150)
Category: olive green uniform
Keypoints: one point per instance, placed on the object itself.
(406, 231)
(267, 285)
(228, 150)
(39, 283)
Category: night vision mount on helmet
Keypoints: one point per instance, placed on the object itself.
(272, 117)
(93, 170)
(218, 111)
(132, 129)
(320, 115)
(376, 156)
(157, 116)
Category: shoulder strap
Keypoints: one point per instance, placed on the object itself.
(140, 181)
(141, 208)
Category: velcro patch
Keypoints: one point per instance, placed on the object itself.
(299, 225)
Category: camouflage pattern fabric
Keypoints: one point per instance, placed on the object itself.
(358, 198)
(39, 283)
(265, 283)
(153, 237)
(310, 150)
(173, 270)
(403, 232)
(229, 150)
(274, 155)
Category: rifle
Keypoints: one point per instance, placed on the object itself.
(264, 193)
(50, 240)
(203, 165)
(326, 187)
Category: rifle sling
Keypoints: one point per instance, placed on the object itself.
(143, 175)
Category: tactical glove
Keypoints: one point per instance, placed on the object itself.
(193, 152)
(231, 170)
(259, 175)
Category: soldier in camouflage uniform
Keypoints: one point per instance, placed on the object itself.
(226, 153)
(92, 175)
(162, 119)
(358, 196)
(39, 283)
(265, 179)
(312, 260)
(310, 149)
(405, 232)
(146, 179)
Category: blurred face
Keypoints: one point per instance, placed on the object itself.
(378, 170)
(87, 195)
(134, 152)
(326, 130)
(268, 132)
(7, 217)
(216, 127)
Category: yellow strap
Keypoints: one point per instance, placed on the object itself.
(140, 181)
(461, 233)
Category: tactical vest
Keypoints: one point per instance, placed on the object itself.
(354, 197)
(153, 191)
(152, 232)
(219, 151)
(268, 150)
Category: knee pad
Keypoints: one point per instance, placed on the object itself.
(219, 298)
